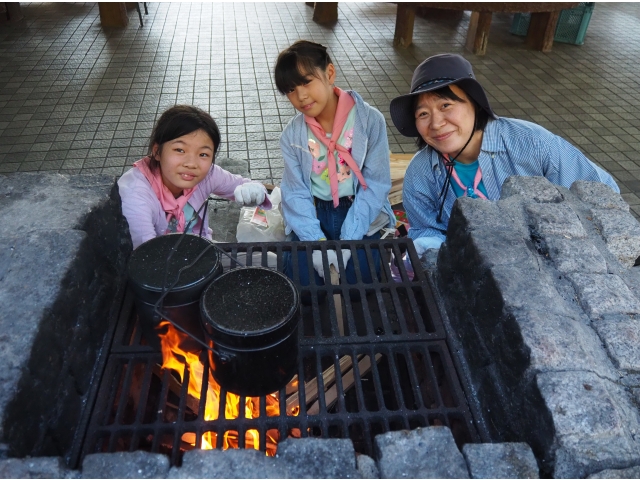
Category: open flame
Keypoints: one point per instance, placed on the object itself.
(177, 359)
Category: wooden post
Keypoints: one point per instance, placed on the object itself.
(325, 12)
(11, 12)
(113, 14)
(478, 33)
(405, 18)
(542, 29)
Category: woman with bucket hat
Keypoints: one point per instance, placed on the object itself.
(465, 149)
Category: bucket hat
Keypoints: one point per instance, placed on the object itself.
(436, 72)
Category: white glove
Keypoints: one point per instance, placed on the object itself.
(250, 194)
(423, 244)
(332, 258)
(346, 256)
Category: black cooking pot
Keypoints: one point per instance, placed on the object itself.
(146, 271)
(251, 318)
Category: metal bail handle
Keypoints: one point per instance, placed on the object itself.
(166, 317)
(156, 307)
(224, 357)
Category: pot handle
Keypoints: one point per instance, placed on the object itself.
(166, 317)
(222, 356)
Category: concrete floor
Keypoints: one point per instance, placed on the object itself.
(79, 98)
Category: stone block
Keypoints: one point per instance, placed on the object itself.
(621, 232)
(481, 237)
(575, 255)
(596, 425)
(603, 294)
(233, 463)
(527, 289)
(538, 189)
(137, 464)
(421, 453)
(551, 219)
(501, 247)
(234, 165)
(479, 214)
(224, 215)
(561, 343)
(61, 268)
(41, 467)
(598, 195)
(633, 472)
(318, 458)
(50, 201)
(512, 209)
(622, 341)
(367, 466)
(223, 220)
(631, 277)
(500, 460)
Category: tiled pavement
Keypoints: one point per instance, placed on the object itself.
(76, 97)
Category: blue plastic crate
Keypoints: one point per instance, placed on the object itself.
(571, 28)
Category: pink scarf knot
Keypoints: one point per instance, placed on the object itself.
(345, 104)
(171, 205)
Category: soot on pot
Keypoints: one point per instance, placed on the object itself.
(249, 300)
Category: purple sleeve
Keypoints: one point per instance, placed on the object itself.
(139, 206)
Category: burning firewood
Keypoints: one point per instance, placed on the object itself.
(348, 379)
(337, 299)
(176, 387)
(329, 378)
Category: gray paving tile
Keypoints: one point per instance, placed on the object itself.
(62, 90)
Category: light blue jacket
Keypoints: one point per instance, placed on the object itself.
(370, 150)
(509, 147)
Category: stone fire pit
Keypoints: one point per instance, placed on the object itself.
(541, 298)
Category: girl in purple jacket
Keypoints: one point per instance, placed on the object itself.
(165, 189)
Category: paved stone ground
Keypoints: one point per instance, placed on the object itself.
(78, 98)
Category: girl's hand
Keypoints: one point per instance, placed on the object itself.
(346, 256)
(332, 259)
(250, 194)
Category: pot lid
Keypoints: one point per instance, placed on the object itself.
(147, 262)
(249, 301)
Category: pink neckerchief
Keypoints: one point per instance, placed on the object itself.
(171, 205)
(345, 104)
(469, 189)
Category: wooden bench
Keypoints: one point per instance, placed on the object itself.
(544, 17)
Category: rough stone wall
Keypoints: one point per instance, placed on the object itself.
(64, 247)
(422, 453)
(544, 299)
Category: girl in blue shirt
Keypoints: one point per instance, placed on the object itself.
(467, 150)
(336, 175)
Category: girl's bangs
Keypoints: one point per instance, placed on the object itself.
(292, 72)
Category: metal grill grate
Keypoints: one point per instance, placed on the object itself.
(393, 368)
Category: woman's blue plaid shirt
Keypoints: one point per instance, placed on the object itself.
(509, 147)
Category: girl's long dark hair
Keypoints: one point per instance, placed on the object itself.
(178, 121)
(296, 63)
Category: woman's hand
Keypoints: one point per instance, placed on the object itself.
(250, 194)
(423, 244)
